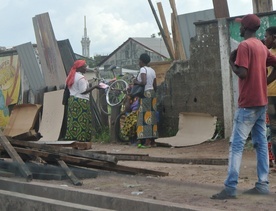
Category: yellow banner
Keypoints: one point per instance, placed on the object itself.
(9, 85)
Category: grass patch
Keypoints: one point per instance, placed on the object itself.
(101, 135)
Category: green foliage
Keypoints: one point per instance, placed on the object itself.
(102, 135)
(93, 62)
(89, 61)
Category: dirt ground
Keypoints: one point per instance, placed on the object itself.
(187, 183)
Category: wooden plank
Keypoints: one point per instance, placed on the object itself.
(179, 48)
(83, 172)
(175, 41)
(69, 173)
(4, 173)
(163, 34)
(42, 171)
(127, 154)
(194, 161)
(260, 6)
(221, 8)
(82, 145)
(74, 152)
(13, 154)
(48, 176)
(115, 111)
(49, 157)
(50, 58)
(166, 30)
(32, 135)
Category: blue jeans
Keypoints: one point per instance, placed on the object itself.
(248, 120)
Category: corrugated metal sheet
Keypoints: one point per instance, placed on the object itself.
(155, 44)
(187, 27)
(67, 54)
(31, 67)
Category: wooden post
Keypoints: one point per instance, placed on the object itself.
(262, 6)
(178, 45)
(161, 30)
(221, 8)
(13, 154)
(115, 111)
(165, 27)
(175, 42)
(69, 173)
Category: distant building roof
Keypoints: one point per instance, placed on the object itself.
(156, 45)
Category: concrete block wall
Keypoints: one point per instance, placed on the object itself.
(194, 85)
(205, 83)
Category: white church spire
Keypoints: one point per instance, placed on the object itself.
(85, 42)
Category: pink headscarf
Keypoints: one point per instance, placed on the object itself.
(71, 76)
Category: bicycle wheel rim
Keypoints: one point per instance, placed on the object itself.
(116, 92)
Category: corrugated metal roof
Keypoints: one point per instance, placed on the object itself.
(187, 27)
(143, 42)
(155, 44)
(29, 62)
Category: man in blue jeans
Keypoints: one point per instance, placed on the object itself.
(249, 62)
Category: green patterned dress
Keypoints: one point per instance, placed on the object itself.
(79, 120)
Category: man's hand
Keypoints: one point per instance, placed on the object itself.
(241, 72)
(233, 56)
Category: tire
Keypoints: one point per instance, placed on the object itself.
(128, 77)
(116, 92)
(105, 108)
(118, 125)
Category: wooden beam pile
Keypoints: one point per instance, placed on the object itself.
(67, 162)
(29, 151)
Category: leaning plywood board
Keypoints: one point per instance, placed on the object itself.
(52, 116)
(193, 128)
(22, 119)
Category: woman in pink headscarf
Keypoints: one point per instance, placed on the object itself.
(79, 118)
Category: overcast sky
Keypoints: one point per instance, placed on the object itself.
(109, 22)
